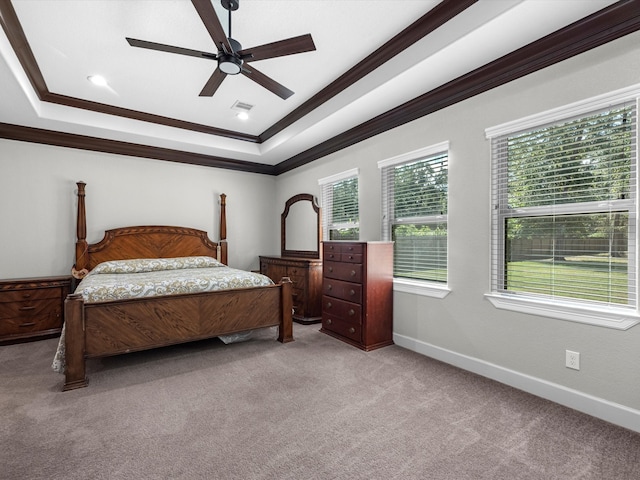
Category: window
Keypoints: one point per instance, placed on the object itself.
(340, 213)
(564, 212)
(414, 206)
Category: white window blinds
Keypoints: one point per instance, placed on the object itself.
(340, 211)
(415, 203)
(564, 209)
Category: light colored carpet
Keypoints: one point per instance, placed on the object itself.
(312, 409)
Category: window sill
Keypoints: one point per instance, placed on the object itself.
(420, 288)
(613, 317)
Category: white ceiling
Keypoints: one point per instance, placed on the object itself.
(73, 39)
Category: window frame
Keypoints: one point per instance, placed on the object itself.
(327, 217)
(612, 316)
(427, 288)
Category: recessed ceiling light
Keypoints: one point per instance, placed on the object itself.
(97, 80)
(242, 108)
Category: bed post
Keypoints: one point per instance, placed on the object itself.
(285, 331)
(74, 340)
(80, 268)
(222, 256)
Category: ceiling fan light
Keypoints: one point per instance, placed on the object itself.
(229, 64)
(98, 80)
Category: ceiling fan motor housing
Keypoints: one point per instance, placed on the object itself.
(230, 62)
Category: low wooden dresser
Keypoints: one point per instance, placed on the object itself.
(357, 293)
(32, 308)
(306, 275)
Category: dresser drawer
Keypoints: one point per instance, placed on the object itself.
(30, 294)
(342, 328)
(342, 247)
(344, 290)
(299, 281)
(349, 312)
(351, 272)
(351, 257)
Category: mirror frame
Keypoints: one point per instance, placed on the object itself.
(301, 197)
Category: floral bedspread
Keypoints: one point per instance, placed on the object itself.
(122, 279)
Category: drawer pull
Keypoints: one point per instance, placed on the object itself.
(328, 304)
(331, 269)
(328, 321)
(352, 330)
(352, 292)
(351, 312)
(30, 324)
(353, 273)
(26, 295)
(350, 257)
(24, 309)
(329, 287)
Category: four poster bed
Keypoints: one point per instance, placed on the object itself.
(121, 306)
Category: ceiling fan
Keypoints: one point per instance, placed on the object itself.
(231, 57)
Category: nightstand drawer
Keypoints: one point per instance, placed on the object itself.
(47, 320)
(30, 308)
(351, 292)
(351, 272)
(30, 294)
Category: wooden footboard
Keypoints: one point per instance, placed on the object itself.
(116, 327)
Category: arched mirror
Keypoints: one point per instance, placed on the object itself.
(301, 229)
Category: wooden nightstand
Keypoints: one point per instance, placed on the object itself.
(32, 308)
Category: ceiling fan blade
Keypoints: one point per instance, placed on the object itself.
(161, 47)
(268, 83)
(213, 83)
(303, 43)
(212, 24)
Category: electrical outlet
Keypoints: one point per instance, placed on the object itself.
(573, 360)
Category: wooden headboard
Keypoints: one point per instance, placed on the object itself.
(151, 241)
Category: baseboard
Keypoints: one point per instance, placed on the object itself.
(596, 407)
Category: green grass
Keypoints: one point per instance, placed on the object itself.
(432, 275)
(586, 277)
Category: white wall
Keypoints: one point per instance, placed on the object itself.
(38, 204)
(465, 329)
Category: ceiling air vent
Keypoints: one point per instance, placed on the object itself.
(241, 106)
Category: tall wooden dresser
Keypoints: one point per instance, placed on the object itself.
(306, 275)
(357, 293)
(32, 308)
